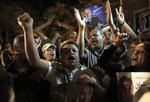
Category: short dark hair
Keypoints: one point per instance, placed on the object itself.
(65, 43)
(18, 39)
(96, 30)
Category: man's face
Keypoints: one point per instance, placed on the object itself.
(88, 14)
(20, 52)
(7, 46)
(37, 41)
(96, 40)
(8, 57)
(70, 56)
(138, 56)
(86, 94)
(50, 54)
(108, 39)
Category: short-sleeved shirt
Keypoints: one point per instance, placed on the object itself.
(57, 74)
(90, 58)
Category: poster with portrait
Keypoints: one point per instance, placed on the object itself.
(95, 16)
(133, 85)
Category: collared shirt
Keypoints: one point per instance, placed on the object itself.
(57, 74)
(90, 58)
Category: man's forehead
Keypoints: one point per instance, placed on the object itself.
(69, 46)
(94, 33)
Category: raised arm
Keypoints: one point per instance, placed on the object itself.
(42, 26)
(105, 59)
(109, 20)
(114, 30)
(81, 32)
(26, 22)
(64, 25)
(55, 38)
(122, 22)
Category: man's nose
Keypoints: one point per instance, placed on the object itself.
(71, 51)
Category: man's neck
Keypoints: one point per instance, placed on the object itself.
(99, 51)
(21, 66)
(73, 67)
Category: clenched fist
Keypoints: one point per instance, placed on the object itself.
(25, 21)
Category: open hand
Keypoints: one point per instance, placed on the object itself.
(78, 18)
(120, 15)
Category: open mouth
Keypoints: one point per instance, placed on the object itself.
(94, 41)
(52, 54)
(107, 38)
(71, 58)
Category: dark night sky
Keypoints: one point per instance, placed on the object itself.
(10, 9)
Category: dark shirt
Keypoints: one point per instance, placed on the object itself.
(29, 85)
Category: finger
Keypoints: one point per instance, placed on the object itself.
(107, 5)
(74, 10)
(120, 9)
(84, 19)
(28, 16)
(22, 17)
(117, 13)
(19, 18)
(122, 15)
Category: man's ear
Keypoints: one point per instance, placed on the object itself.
(59, 56)
(43, 54)
(15, 48)
(103, 37)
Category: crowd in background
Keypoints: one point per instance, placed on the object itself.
(78, 66)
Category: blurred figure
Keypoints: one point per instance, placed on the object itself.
(29, 85)
(107, 39)
(142, 23)
(49, 51)
(89, 90)
(72, 36)
(6, 45)
(141, 56)
(145, 35)
(6, 88)
(125, 89)
(139, 59)
(85, 94)
(7, 57)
